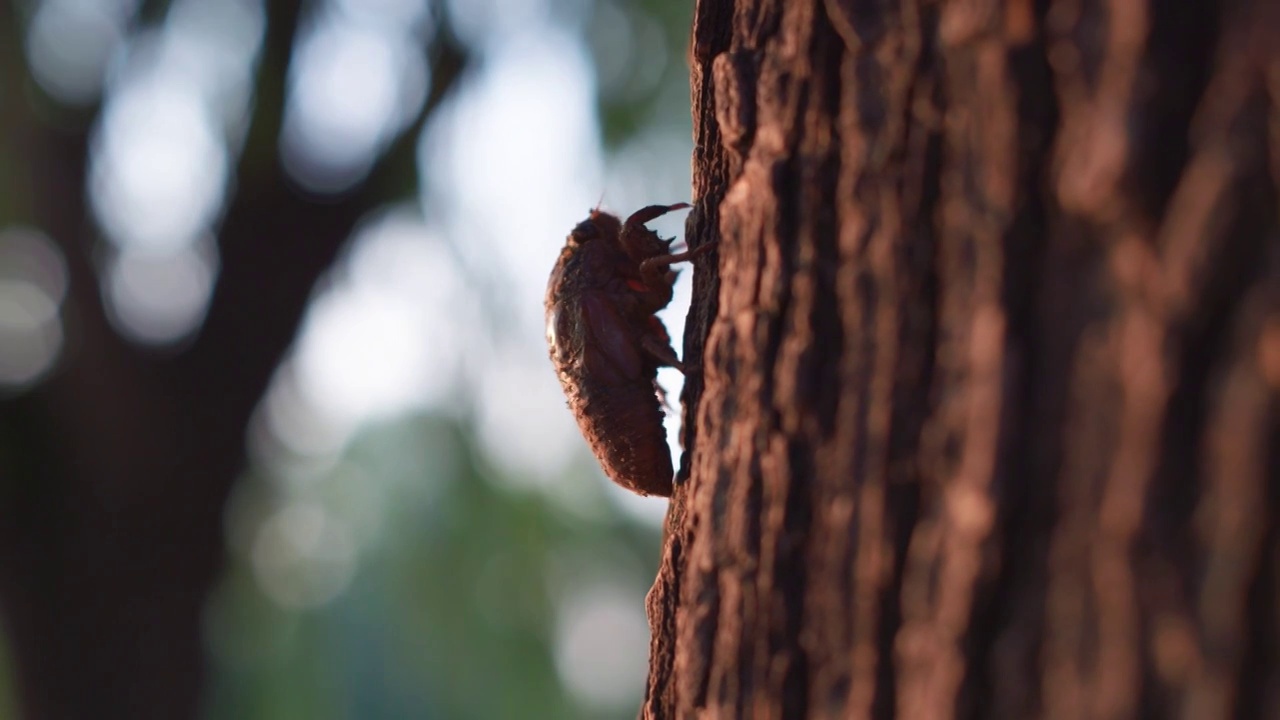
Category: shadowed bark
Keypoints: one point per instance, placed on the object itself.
(986, 419)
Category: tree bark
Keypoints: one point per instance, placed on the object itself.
(986, 423)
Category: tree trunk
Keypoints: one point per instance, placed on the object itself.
(986, 424)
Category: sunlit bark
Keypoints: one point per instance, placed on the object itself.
(986, 418)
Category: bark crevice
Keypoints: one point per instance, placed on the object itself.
(987, 378)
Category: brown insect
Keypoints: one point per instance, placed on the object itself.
(607, 343)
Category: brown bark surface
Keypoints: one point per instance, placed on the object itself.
(986, 424)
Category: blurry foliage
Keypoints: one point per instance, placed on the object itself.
(451, 610)
(639, 49)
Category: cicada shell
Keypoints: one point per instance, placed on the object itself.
(607, 343)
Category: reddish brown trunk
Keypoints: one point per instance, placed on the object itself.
(986, 420)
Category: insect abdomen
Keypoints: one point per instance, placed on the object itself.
(623, 425)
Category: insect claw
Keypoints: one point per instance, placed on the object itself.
(645, 214)
(662, 397)
(650, 265)
(662, 352)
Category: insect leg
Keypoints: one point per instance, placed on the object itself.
(645, 214)
(662, 397)
(661, 352)
(657, 265)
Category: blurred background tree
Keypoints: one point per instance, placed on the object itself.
(278, 437)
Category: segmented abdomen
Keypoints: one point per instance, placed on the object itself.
(623, 425)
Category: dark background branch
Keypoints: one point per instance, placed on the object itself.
(114, 471)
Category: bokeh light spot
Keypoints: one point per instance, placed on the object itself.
(303, 555)
(213, 47)
(293, 423)
(630, 51)
(30, 336)
(159, 298)
(159, 166)
(602, 642)
(389, 13)
(522, 421)
(388, 334)
(352, 86)
(69, 43)
(33, 282)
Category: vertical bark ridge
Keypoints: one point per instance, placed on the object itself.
(885, 262)
(1260, 673)
(1091, 644)
(826, 632)
(989, 411)
(1230, 523)
(1159, 277)
(949, 571)
(673, 674)
(1220, 197)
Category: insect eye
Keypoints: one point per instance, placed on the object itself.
(586, 230)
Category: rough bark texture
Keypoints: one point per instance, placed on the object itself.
(987, 418)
